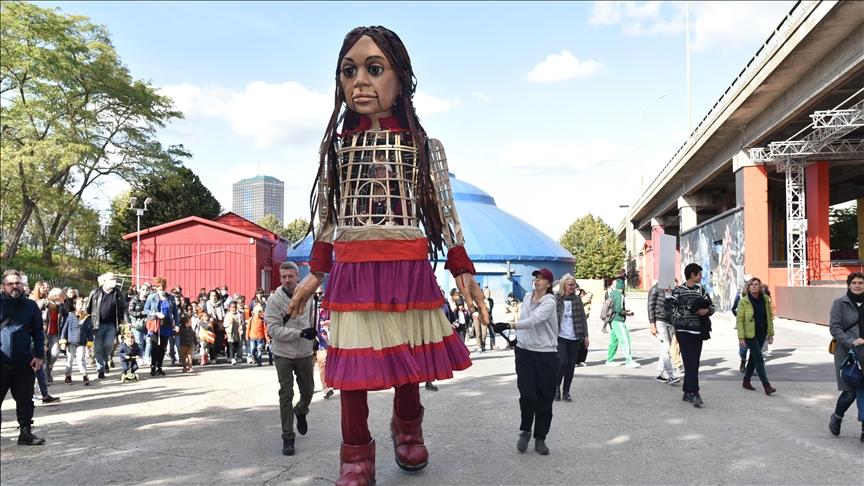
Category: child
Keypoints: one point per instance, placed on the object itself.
(206, 337)
(129, 350)
(256, 333)
(187, 342)
(74, 335)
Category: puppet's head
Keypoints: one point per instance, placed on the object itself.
(373, 61)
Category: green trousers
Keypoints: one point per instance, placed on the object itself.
(620, 334)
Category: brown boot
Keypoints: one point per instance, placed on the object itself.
(411, 453)
(747, 384)
(769, 389)
(357, 465)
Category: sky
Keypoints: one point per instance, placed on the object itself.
(555, 109)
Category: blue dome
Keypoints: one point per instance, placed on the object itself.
(490, 233)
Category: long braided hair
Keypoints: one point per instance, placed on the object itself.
(393, 48)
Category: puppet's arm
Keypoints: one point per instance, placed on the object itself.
(457, 258)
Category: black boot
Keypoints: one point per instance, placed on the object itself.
(834, 424)
(287, 445)
(302, 424)
(557, 395)
(26, 437)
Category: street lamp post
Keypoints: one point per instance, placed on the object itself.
(138, 212)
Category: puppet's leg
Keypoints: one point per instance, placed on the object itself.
(357, 455)
(406, 428)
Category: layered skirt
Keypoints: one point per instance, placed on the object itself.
(387, 324)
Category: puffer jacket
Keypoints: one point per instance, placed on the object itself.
(746, 323)
(657, 305)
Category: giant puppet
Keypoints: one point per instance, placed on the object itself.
(384, 207)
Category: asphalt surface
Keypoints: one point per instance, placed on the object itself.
(220, 425)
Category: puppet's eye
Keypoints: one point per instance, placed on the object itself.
(376, 70)
(349, 71)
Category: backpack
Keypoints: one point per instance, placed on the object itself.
(607, 312)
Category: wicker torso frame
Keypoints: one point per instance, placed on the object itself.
(377, 179)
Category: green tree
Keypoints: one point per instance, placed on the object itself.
(295, 230)
(71, 115)
(176, 194)
(271, 223)
(598, 252)
(844, 228)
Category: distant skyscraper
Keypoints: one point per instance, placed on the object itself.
(259, 196)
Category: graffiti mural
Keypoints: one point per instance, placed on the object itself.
(718, 247)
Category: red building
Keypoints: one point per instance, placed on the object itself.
(194, 252)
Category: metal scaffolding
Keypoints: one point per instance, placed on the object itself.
(791, 157)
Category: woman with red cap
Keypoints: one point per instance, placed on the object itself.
(536, 356)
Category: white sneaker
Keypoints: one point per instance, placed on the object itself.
(633, 364)
(233, 361)
(612, 364)
(673, 380)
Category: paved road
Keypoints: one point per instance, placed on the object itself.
(220, 425)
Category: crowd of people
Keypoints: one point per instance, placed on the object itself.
(548, 330)
(137, 328)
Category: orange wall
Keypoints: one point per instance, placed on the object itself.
(756, 221)
(818, 224)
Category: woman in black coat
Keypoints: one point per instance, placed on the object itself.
(847, 328)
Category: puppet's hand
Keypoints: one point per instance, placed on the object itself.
(305, 289)
(473, 295)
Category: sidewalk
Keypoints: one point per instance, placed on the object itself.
(220, 425)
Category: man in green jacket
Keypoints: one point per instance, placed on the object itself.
(620, 333)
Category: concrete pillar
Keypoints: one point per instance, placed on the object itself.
(657, 230)
(687, 206)
(818, 222)
(752, 183)
(861, 228)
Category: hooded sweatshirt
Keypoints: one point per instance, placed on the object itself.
(537, 327)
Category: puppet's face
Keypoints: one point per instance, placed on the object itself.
(368, 80)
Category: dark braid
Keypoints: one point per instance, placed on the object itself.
(427, 204)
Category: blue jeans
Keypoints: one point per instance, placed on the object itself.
(42, 381)
(257, 349)
(103, 344)
(859, 397)
(143, 343)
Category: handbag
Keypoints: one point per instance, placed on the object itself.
(832, 346)
(153, 324)
(850, 371)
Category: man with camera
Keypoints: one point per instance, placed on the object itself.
(107, 307)
(291, 343)
(22, 349)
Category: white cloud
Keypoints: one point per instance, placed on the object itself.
(482, 96)
(427, 104)
(712, 23)
(559, 67)
(270, 114)
(540, 157)
(275, 114)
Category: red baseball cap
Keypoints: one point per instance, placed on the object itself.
(545, 273)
